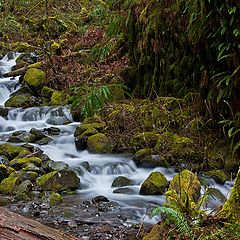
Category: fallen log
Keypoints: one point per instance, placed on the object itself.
(16, 227)
(16, 73)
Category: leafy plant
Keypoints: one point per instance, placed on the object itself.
(176, 217)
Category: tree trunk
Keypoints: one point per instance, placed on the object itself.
(231, 209)
(16, 227)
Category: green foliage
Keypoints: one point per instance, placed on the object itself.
(92, 100)
(173, 216)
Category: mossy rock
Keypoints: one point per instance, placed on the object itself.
(84, 127)
(47, 92)
(59, 181)
(35, 65)
(55, 198)
(21, 136)
(12, 151)
(121, 181)
(35, 78)
(81, 141)
(4, 200)
(99, 143)
(58, 99)
(8, 185)
(144, 158)
(23, 100)
(4, 173)
(187, 185)
(218, 175)
(18, 163)
(156, 232)
(144, 140)
(155, 184)
(25, 187)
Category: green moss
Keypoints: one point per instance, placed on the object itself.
(231, 209)
(23, 100)
(18, 163)
(55, 198)
(121, 181)
(99, 143)
(35, 65)
(187, 186)
(156, 183)
(59, 181)
(58, 99)
(35, 78)
(84, 127)
(145, 140)
(218, 175)
(8, 185)
(12, 151)
(47, 92)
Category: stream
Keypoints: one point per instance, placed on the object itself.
(104, 168)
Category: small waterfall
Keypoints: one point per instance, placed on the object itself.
(97, 171)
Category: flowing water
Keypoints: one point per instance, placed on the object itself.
(104, 168)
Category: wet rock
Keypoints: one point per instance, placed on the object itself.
(84, 127)
(10, 56)
(58, 120)
(86, 165)
(35, 78)
(4, 200)
(186, 185)
(24, 100)
(107, 206)
(21, 136)
(59, 181)
(155, 184)
(37, 133)
(3, 172)
(52, 130)
(25, 187)
(100, 199)
(81, 140)
(143, 158)
(3, 159)
(121, 181)
(99, 143)
(44, 141)
(31, 167)
(22, 90)
(124, 190)
(12, 151)
(58, 166)
(52, 198)
(19, 163)
(4, 112)
(218, 175)
(8, 185)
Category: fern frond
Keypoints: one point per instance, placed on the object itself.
(176, 217)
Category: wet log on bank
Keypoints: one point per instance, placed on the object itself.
(16, 73)
(16, 227)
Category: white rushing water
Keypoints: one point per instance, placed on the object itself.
(104, 168)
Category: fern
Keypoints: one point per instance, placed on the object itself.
(176, 217)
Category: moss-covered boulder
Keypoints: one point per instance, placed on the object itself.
(18, 163)
(144, 140)
(58, 99)
(99, 143)
(25, 187)
(47, 92)
(155, 184)
(3, 172)
(85, 127)
(186, 185)
(59, 181)
(23, 100)
(21, 136)
(81, 140)
(52, 198)
(144, 158)
(9, 185)
(12, 151)
(231, 209)
(121, 181)
(218, 175)
(35, 78)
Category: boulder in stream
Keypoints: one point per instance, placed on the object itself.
(12, 151)
(122, 181)
(23, 100)
(59, 181)
(99, 143)
(35, 78)
(186, 184)
(155, 184)
(218, 175)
